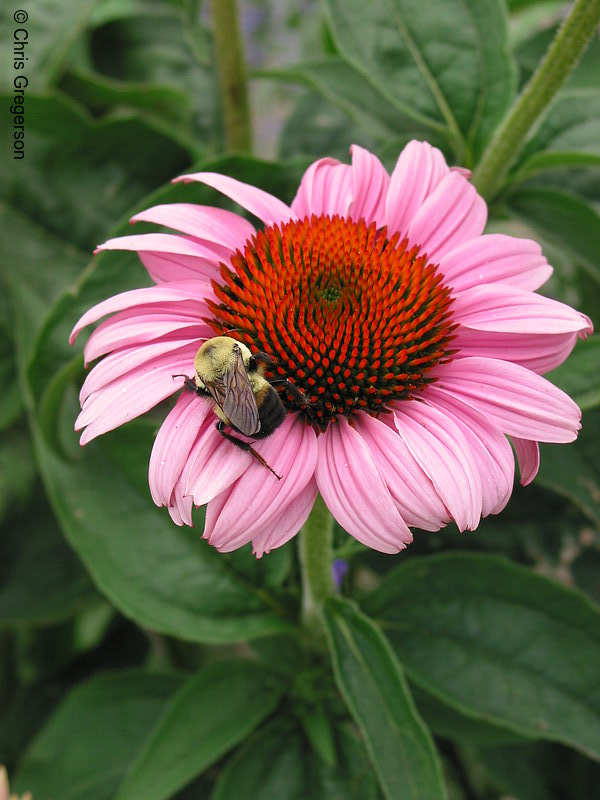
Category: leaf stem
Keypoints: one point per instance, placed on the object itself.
(556, 66)
(231, 70)
(316, 561)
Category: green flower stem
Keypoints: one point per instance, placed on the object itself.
(556, 66)
(231, 69)
(316, 561)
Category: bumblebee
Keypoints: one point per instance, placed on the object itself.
(245, 400)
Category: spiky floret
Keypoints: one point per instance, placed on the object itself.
(355, 319)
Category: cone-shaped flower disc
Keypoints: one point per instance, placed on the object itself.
(415, 344)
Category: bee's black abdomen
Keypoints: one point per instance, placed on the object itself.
(271, 411)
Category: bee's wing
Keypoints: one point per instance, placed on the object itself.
(239, 404)
(216, 389)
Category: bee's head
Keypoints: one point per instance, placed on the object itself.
(216, 355)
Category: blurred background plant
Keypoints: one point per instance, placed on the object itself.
(136, 662)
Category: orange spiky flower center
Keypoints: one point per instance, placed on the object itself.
(355, 319)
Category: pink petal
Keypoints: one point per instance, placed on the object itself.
(325, 188)
(258, 202)
(451, 215)
(121, 362)
(359, 191)
(250, 507)
(174, 292)
(288, 522)
(515, 399)
(165, 243)
(214, 465)
(355, 491)
(223, 228)
(145, 324)
(537, 352)
(495, 258)
(168, 268)
(418, 171)
(180, 505)
(490, 448)
(171, 258)
(528, 456)
(466, 173)
(180, 511)
(412, 491)
(133, 393)
(195, 334)
(444, 453)
(370, 187)
(509, 310)
(173, 444)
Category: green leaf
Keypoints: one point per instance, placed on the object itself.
(162, 576)
(25, 247)
(585, 567)
(51, 403)
(316, 126)
(276, 763)
(539, 771)
(18, 474)
(211, 713)
(87, 745)
(340, 83)
(41, 579)
(101, 93)
(163, 47)
(574, 471)
(443, 64)
(579, 376)
(270, 573)
(318, 730)
(46, 36)
(514, 771)
(97, 168)
(11, 407)
(448, 722)
(568, 136)
(158, 47)
(24, 713)
(497, 641)
(284, 654)
(563, 219)
(375, 691)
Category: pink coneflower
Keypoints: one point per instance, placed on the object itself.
(417, 341)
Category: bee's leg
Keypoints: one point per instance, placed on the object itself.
(263, 358)
(294, 390)
(297, 393)
(188, 382)
(190, 385)
(246, 446)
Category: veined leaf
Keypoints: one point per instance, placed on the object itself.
(372, 683)
(443, 64)
(211, 713)
(569, 135)
(499, 642)
(88, 743)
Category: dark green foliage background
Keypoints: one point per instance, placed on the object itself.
(136, 662)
